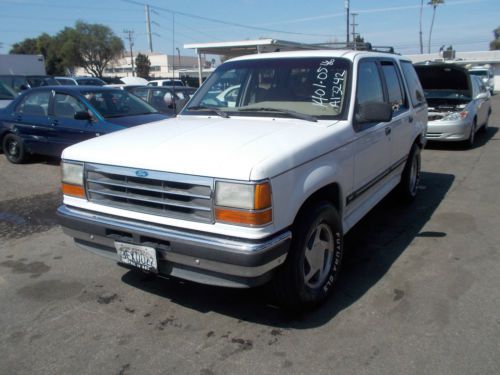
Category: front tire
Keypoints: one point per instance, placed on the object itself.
(13, 149)
(313, 261)
(469, 143)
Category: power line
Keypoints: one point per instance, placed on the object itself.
(222, 21)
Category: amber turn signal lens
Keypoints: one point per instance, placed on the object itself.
(73, 190)
(262, 197)
(244, 217)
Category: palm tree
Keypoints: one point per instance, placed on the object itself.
(434, 4)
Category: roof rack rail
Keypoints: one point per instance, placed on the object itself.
(357, 46)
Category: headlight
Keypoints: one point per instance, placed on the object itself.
(243, 203)
(455, 116)
(72, 179)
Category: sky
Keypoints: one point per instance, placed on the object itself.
(467, 25)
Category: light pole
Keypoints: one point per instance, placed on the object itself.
(346, 4)
(179, 55)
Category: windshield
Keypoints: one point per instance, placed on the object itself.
(276, 87)
(6, 92)
(90, 82)
(117, 103)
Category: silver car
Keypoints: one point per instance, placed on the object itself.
(459, 103)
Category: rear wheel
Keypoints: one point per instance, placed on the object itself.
(408, 187)
(314, 259)
(13, 148)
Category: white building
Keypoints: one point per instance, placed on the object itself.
(162, 65)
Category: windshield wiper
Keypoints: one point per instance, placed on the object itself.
(301, 116)
(213, 110)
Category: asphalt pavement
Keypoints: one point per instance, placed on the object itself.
(419, 292)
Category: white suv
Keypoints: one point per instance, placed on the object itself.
(263, 188)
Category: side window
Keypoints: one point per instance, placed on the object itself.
(414, 86)
(395, 90)
(66, 106)
(35, 104)
(369, 88)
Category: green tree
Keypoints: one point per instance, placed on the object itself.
(495, 43)
(142, 66)
(434, 4)
(42, 45)
(92, 46)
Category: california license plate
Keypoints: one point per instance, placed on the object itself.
(143, 257)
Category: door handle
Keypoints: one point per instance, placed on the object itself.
(388, 130)
(410, 118)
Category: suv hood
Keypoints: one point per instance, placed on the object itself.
(236, 148)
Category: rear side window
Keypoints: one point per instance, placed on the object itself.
(35, 104)
(395, 90)
(369, 84)
(414, 86)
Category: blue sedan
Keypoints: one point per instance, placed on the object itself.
(47, 120)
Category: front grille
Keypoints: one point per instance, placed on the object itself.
(160, 193)
(434, 135)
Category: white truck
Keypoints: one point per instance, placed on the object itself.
(260, 190)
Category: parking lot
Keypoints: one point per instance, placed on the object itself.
(419, 292)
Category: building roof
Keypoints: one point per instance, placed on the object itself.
(247, 47)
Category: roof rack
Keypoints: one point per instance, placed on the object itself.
(356, 46)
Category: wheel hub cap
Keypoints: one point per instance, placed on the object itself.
(318, 256)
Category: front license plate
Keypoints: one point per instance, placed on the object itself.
(143, 257)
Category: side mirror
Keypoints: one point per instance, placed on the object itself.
(83, 115)
(373, 112)
(482, 95)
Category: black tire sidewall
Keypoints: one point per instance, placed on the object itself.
(406, 190)
(19, 141)
(320, 213)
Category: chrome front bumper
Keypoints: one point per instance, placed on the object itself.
(449, 131)
(207, 259)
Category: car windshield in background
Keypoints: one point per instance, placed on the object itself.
(35, 81)
(6, 93)
(117, 103)
(90, 82)
(285, 87)
(481, 73)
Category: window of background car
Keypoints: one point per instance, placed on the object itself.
(35, 104)
(311, 86)
(66, 106)
(17, 83)
(35, 81)
(66, 82)
(6, 92)
(117, 103)
(140, 92)
(369, 88)
(397, 97)
(413, 82)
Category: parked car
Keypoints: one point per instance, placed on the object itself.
(486, 74)
(80, 81)
(260, 191)
(166, 82)
(20, 83)
(6, 95)
(47, 120)
(166, 99)
(458, 104)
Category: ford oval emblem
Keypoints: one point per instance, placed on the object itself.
(141, 173)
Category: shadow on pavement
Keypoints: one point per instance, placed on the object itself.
(372, 246)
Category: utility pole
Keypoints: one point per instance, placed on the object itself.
(130, 37)
(148, 28)
(354, 24)
(179, 54)
(346, 3)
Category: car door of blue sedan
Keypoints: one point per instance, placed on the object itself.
(69, 130)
